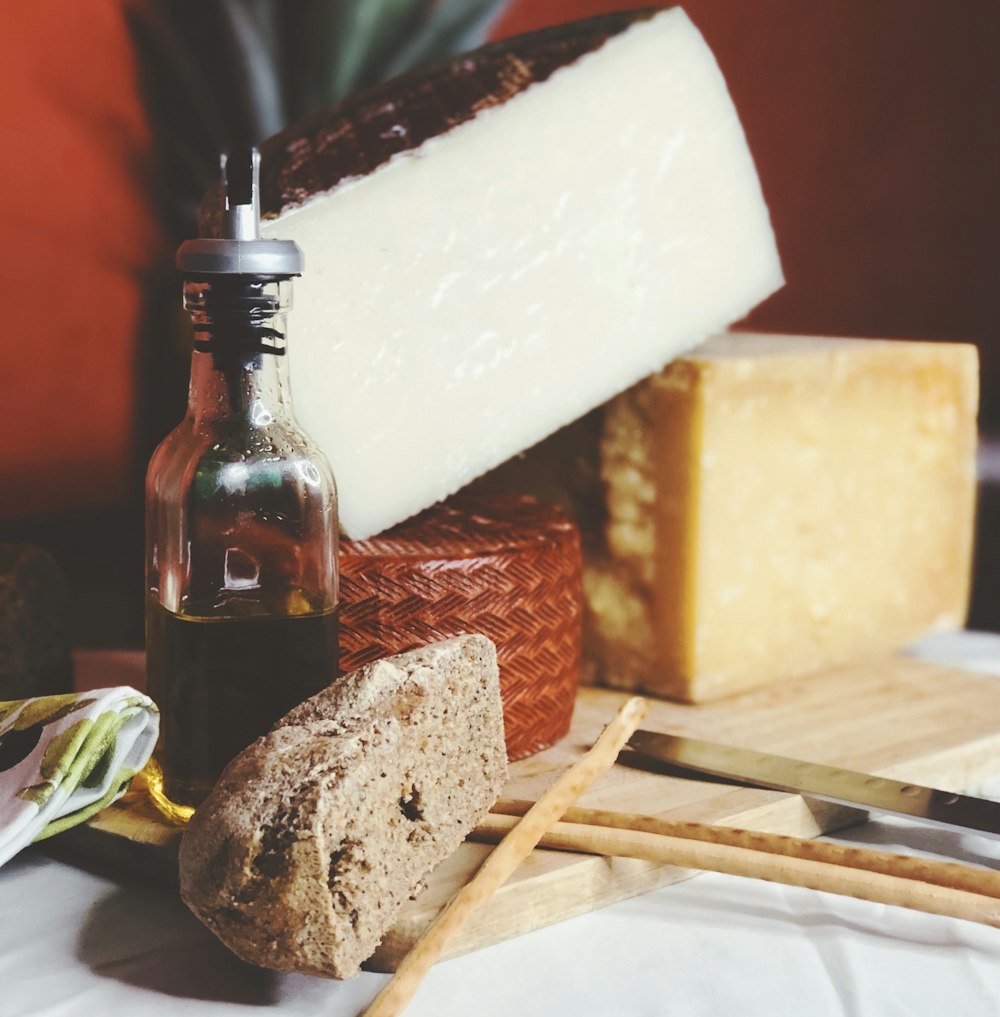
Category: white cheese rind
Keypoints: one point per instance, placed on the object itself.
(469, 298)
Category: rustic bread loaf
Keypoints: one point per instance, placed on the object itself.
(316, 835)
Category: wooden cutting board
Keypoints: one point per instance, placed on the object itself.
(896, 717)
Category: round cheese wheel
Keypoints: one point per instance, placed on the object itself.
(504, 566)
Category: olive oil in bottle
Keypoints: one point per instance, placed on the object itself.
(248, 670)
(241, 517)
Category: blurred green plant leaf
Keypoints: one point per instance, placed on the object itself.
(334, 49)
(254, 69)
(369, 29)
(449, 26)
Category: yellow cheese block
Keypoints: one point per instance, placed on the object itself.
(779, 504)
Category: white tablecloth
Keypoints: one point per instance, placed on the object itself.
(74, 942)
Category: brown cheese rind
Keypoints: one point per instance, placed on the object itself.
(366, 130)
(317, 834)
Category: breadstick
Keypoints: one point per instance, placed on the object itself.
(863, 883)
(510, 852)
(949, 874)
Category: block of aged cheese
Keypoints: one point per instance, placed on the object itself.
(490, 255)
(508, 567)
(317, 834)
(34, 624)
(779, 504)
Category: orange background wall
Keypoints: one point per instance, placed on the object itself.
(78, 236)
(874, 124)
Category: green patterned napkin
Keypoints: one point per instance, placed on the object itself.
(63, 758)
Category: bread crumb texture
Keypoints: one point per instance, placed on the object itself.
(318, 833)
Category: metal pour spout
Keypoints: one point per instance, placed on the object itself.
(235, 246)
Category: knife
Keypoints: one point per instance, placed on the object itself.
(828, 783)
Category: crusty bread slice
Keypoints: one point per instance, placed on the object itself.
(316, 835)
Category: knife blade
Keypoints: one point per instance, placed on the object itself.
(828, 783)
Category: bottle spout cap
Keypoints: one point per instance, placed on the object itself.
(234, 245)
(241, 184)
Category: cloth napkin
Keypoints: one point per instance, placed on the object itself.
(63, 758)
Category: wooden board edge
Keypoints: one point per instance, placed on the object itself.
(590, 882)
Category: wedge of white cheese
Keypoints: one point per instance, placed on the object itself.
(469, 297)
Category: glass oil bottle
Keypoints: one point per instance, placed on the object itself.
(241, 517)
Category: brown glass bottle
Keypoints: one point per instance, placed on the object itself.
(241, 521)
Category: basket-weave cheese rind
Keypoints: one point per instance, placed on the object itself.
(318, 833)
(468, 297)
(508, 567)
